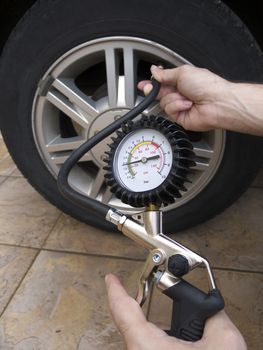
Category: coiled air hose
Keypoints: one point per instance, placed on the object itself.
(63, 184)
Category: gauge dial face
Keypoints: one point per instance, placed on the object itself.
(143, 160)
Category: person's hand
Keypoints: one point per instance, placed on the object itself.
(139, 334)
(200, 100)
(190, 96)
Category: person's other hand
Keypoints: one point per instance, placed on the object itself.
(193, 97)
(139, 334)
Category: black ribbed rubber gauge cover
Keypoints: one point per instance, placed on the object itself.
(148, 162)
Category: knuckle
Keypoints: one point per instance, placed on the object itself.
(186, 68)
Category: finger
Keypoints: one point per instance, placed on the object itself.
(126, 312)
(177, 106)
(142, 83)
(168, 76)
(130, 320)
(146, 87)
(172, 97)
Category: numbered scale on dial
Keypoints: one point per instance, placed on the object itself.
(143, 160)
(148, 162)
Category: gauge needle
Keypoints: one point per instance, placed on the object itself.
(143, 160)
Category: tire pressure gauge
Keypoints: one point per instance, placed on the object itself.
(148, 162)
(143, 160)
(147, 165)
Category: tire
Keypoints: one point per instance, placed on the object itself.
(205, 33)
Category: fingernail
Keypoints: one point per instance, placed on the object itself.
(156, 72)
(147, 89)
(106, 278)
(154, 68)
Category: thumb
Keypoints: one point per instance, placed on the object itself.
(165, 76)
(126, 312)
(131, 322)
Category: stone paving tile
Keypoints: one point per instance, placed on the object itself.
(233, 239)
(7, 166)
(14, 263)
(3, 149)
(16, 173)
(25, 217)
(243, 294)
(61, 304)
(71, 235)
(2, 179)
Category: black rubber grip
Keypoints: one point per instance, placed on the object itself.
(191, 308)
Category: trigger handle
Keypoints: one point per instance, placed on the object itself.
(191, 308)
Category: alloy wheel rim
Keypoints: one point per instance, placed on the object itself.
(89, 87)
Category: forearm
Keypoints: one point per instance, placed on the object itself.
(242, 109)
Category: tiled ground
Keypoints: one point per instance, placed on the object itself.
(52, 269)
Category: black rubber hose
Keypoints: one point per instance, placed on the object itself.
(63, 185)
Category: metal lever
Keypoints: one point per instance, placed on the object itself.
(149, 235)
(146, 280)
(167, 262)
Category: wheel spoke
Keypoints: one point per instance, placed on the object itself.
(97, 184)
(66, 107)
(107, 195)
(130, 75)
(204, 153)
(112, 64)
(61, 148)
(200, 166)
(68, 88)
(60, 144)
(203, 150)
(121, 92)
(60, 158)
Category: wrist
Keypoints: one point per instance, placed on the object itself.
(220, 98)
(240, 108)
